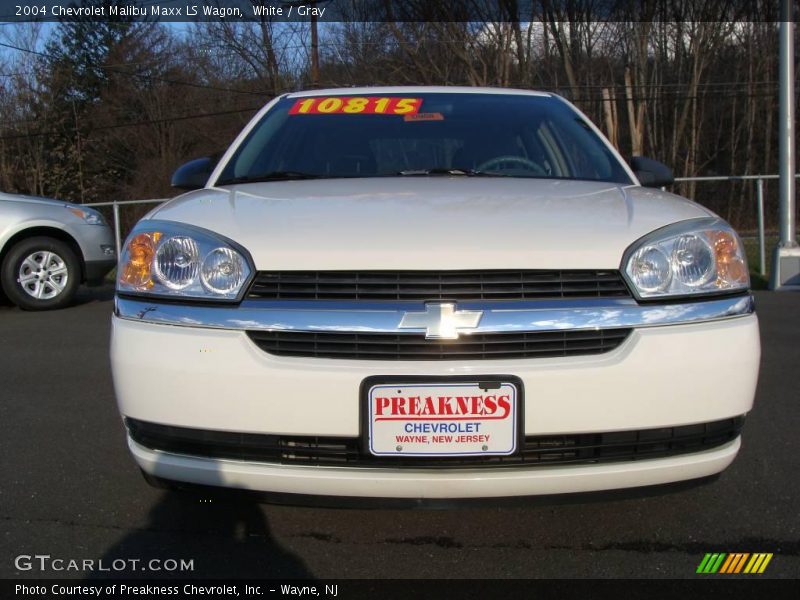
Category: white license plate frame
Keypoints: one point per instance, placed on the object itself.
(424, 433)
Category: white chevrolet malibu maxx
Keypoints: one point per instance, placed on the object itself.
(430, 293)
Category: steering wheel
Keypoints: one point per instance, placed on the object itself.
(506, 162)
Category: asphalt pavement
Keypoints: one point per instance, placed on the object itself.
(70, 490)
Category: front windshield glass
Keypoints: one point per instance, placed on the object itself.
(422, 134)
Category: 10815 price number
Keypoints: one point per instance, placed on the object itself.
(356, 105)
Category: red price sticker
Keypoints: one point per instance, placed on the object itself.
(356, 105)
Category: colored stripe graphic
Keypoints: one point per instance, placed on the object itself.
(734, 563)
(758, 563)
(703, 563)
(741, 562)
(728, 562)
(711, 563)
(764, 564)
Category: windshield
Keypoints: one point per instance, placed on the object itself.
(422, 134)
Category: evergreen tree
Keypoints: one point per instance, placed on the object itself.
(77, 75)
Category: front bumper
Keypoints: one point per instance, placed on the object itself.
(218, 379)
(98, 250)
(96, 270)
(441, 484)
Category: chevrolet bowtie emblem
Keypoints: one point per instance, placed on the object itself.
(441, 321)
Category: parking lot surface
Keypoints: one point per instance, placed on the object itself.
(70, 490)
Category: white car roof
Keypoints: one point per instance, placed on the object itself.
(417, 89)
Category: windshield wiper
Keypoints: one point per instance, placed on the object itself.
(271, 176)
(450, 171)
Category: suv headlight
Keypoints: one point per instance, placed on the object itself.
(91, 216)
(162, 258)
(701, 256)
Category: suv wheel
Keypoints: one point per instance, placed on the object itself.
(40, 273)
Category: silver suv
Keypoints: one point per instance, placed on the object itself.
(48, 248)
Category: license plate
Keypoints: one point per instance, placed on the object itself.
(434, 419)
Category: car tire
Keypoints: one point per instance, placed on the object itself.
(40, 273)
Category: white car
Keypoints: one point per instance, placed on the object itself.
(431, 293)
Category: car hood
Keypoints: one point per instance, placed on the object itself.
(34, 199)
(432, 222)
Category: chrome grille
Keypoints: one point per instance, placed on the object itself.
(499, 284)
(414, 346)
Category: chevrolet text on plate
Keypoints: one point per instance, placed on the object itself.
(431, 293)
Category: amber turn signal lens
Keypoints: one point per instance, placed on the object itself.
(731, 267)
(138, 260)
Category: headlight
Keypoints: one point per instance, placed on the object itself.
(92, 217)
(701, 256)
(162, 258)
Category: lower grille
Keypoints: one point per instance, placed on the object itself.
(587, 448)
(413, 346)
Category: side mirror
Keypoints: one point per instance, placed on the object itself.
(651, 173)
(194, 174)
